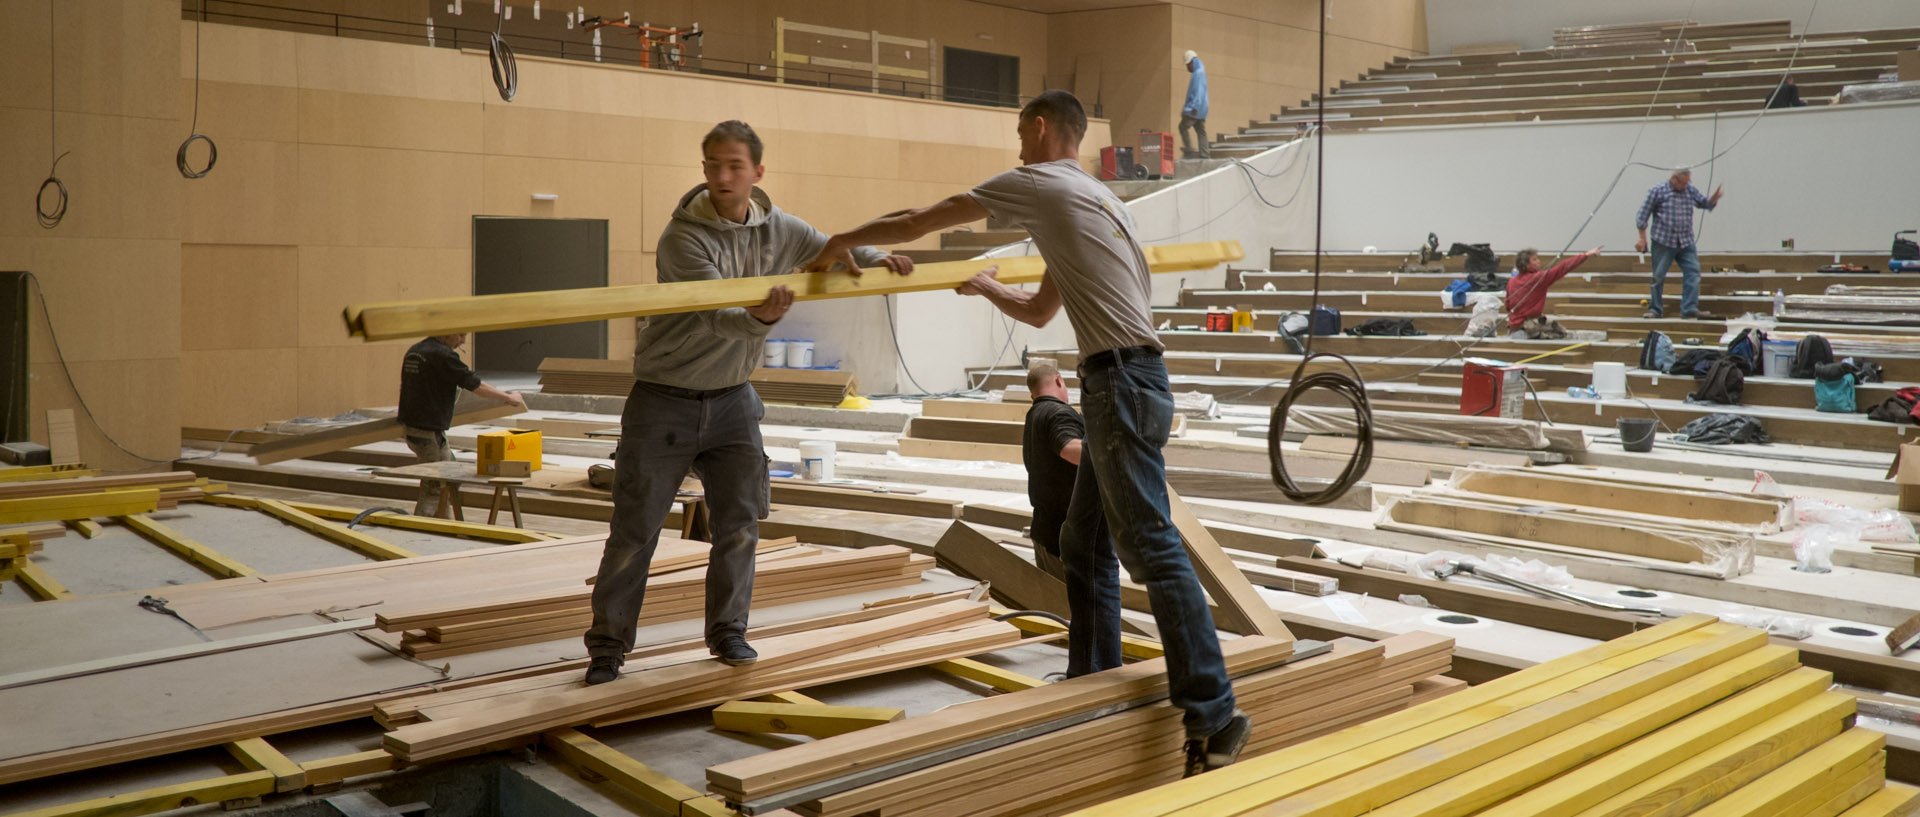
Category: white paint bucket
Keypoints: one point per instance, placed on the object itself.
(1610, 380)
(816, 459)
(799, 354)
(775, 356)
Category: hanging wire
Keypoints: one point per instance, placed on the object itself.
(51, 218)
(193, 131)
(506, 72)
(1350, 388)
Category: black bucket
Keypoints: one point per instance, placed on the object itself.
(1636, 433)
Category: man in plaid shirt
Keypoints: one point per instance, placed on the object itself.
(1669, 208)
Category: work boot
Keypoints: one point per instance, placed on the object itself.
(602, 669)
(1222, 748)
(733, 651)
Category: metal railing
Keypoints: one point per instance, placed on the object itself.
(439, 35)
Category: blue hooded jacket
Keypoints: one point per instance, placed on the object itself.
(1196, 104)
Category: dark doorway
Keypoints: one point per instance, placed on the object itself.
(981, 78)
(534, 255)
(14, 295)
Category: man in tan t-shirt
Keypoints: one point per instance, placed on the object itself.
(1097, 271)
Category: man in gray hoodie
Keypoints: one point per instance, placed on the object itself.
(691, 407)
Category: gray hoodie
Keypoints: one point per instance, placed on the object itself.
(719, 348)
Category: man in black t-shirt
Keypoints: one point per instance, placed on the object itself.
(1050, 447)
(430, 379)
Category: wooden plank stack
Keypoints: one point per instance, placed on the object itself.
(676, 592)
(823, 387)
(678, 682)
(1083, 740)
(1690, 717)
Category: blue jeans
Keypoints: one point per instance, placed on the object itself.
(1122, 487)
(1663, 258)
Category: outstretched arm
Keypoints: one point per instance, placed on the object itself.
(898, 228)
(1034, 308)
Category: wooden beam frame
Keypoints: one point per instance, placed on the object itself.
(258, 755)
(371, 431)
(408, 319)
(205, 557)
(367, 545)
(1001, 680)
(165, 798)
(810, 720)
(1222, 579)
(89, 505)
(428, 524)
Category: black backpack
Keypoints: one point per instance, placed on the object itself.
(1656, 352)
(1723, 383)
(1811, 351)
(1905, 249)
(1695, 362)
(1748, 344)
(1386, 327)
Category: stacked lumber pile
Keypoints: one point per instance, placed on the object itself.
(783, 574)
(1690, 717)
(1654, 38)
(1080, 741)
(685, 680)
(823, 387)
(1702, 533)
(1859, 305)
(71, 495)
(466, 410)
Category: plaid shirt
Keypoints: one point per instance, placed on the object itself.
(1671, 212)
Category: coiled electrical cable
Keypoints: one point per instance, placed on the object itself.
(1352, 389)
(506, 73)
(51, 218)
(193, 131)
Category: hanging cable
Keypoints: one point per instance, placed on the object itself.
(51, 218)
(1352, 389)
(46, 314)
(193, 131)
(506, 73)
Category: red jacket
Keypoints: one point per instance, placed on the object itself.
(1527, 292)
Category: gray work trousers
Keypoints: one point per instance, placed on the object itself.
(1198, 126)
(665, 432)
(429, 446)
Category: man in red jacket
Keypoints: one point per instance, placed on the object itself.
(1527, 293)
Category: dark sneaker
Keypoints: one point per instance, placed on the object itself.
(1649, 315)
(1699, 316)
(1222, 748)
(602, 669)
(733, 651)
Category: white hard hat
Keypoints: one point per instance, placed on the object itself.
(1189, 57)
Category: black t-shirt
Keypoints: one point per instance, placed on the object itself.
(430, 379)
(1051, 424)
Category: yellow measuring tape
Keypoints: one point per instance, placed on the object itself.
(1555, 352)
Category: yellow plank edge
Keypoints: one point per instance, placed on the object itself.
(87, 528)
(256, 754)
(704, 806)
(78, 506)
(164, 798)
(811, 720)
(1895, 800)
(979, 672)
(1495, 781)
(1133, 647)
(585, 753)
(1619, 653)
(788, 698)
(410, 319)
(35, 473)
(206, 558)
(1372, 776)
(350, 538)
(341, 767)
(1712, 774)
(1800, 778)
(43, 586)
(1668, 748)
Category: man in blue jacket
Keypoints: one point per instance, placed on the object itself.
(1193, 112)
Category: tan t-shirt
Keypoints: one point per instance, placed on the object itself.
(1086, 236)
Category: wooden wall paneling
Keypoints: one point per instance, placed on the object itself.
(358, 196)
(235, 297)
(331, 276)
(136, 401)
(516, 130)
(107, 54)
(368, 67)
(128, 163)
(384, 121)
(238, 388)
(251, 197)
(593, 190)
(335, 380)
(1136, 87)
(24, 53)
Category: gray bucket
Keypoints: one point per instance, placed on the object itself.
(1636, 433)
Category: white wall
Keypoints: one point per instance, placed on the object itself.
(1832, 178)
(1452, 23)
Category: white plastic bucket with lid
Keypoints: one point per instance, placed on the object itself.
(775, 356)
(1610, 379)
(816, 459)
(799, 354)
(1777, 358)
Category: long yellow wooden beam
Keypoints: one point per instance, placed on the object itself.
(258, 755)
(207, 558)
(639, 779)
(351, 538)
(32, 473)
(481, 313)
(78, 506)
(164, 798)
(340, 767)
(1003, 680)
(43, 586)
(429, 524)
